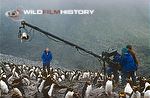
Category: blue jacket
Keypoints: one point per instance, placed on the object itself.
(46, 57)
(127, 63)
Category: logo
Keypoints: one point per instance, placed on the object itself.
(61, 12)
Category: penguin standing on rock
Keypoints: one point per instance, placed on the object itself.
(109, 87)
(17, 91)
(3, 87)
(17, 84)
(51, 90)
(147, 92)
(136, 93)
(32, 75)
(142, 81)
(26, 80)
(8, 68)
(40, 88)
(146, 85)
(76, 76)
(128, 89)
(86, 90)
(97, 76)
(48, 87)
(71, 94)
(4, 78)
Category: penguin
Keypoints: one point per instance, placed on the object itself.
(32, 75)
(39, 77)
(49, 85)
(14, 72)
(45, 86)
(97, 92)
(76, 76)
(10, 78)
(109, 87)
(147, 92)
(128, 89)
(8, 67)
(136, 93)
(142, 82)
(66, 73)
(40, 74)
(71, 74)
(71, 94)
(18, 83)
(86, 75)
(40, 88)
(23, 66)
(33, 67)
(27, 68)
(1, 70)
(4, 78)
(97, 76)
(51, 90)
(4, 75)
(146, 85)
(86, 90)
(63, 77)
(16, 93)
(4, 87)
(54, 77)
(56, 73)
(26, 80)
(37, 70)
(19, 68)
(31, 70)
(60, 79)
(120, 78)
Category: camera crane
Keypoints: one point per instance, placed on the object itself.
(104, 57)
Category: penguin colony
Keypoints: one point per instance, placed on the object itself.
(22, 81)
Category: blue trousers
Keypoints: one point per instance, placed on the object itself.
(46, 66)
(127, 75)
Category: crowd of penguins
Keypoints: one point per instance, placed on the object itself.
(22, 81)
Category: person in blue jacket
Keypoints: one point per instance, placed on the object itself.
(128, 66)
(46, 59)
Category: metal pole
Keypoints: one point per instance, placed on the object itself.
(60, 39)
(69, 43)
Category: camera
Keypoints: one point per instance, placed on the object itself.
(107, 57)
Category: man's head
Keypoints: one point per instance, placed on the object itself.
(129, 46)
(47, 49)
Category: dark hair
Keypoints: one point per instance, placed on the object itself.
(129, 46)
